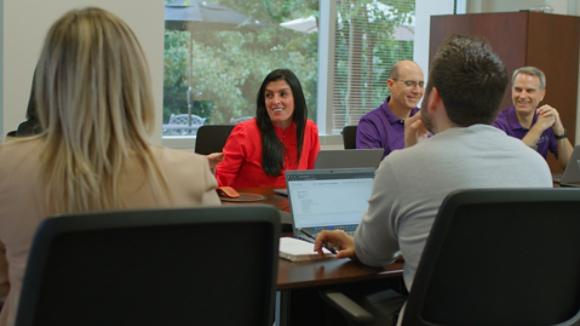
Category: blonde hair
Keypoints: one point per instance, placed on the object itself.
(95, 106)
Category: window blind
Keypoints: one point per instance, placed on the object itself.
(370, 36)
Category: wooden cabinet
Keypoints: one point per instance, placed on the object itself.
(546, 41)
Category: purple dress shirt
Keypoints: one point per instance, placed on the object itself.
(507, 120)
(381, 128)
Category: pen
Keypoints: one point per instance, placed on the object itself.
(324, 244)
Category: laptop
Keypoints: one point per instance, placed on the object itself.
(349, 158)
(330, 199)
(557, 177)
(345, 158)
(571, 176)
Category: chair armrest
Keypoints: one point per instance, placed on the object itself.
(348, 308)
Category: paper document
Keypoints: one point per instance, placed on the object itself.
(297, 250)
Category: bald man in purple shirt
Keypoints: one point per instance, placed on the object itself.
(384, 127)
(538, 127)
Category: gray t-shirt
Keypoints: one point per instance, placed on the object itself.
(411, 184)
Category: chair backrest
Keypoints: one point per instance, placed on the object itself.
(212, 138)
(234, 121)
(500, 257)
(189, 266)
(183, 119)
(349, 137)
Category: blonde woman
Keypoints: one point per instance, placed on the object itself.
(96, 110)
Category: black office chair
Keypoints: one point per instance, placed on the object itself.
(349, 137)
(212, 138)
(493, 257)
(501, 257)
(187, 266)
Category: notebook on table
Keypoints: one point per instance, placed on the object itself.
(330, 199)
(571, 176)
(349, 158)
(296, 250)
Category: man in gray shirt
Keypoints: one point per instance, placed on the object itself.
(466, 84)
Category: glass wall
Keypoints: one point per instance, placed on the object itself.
(370, 36)
(218, 53)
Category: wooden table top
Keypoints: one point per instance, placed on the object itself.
(330, 271)
(320, 272)
(272, 198)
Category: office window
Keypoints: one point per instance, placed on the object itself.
(370, 36)
(219, 65)
(217, 57)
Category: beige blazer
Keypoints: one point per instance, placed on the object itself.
(190, 181)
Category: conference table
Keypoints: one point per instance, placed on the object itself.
(299, 283)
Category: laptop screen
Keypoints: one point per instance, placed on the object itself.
(349, 158)
(328, 199)
(572, 173)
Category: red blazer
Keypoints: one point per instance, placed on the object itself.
(242, 165)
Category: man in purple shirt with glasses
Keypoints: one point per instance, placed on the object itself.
(384, 127)
(538, 127)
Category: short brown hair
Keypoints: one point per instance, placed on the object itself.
(470, 78)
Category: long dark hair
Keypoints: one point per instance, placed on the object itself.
(272, 148)
(31, 126)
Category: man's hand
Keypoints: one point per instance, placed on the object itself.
(214, 159)
(415, 131)
(549, 117)
(339, 240)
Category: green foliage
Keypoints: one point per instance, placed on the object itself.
(229, 66)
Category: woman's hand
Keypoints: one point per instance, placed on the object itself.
(214, 159)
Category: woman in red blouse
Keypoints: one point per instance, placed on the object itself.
(258, 152)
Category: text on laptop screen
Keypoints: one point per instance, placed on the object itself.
(329, 202)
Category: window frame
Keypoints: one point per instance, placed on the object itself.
(326, 45)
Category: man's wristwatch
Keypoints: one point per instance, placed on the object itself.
(562, 136)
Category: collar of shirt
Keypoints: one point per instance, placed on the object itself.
(513, 121)
(391, 117)
(289, 131)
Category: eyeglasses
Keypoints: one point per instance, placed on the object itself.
(412, 83)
